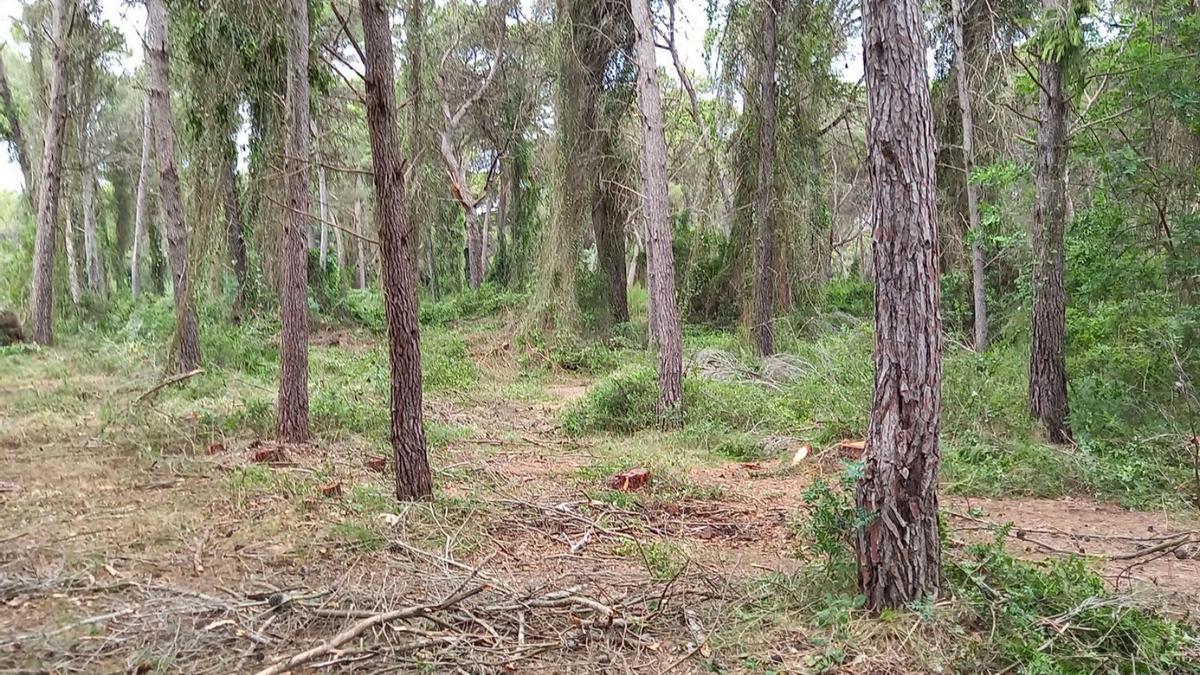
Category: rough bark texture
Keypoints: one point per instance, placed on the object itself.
(140, 238)
(899, 556)
(293, 255)
(474, 248)
(660, 257)
(978, 289)
(17, 135)
(609, 231)
(50, 185)
(361, 245)
(158, 59)
(764, 244)
(1047, 358)
(397, 240)
(235, 237)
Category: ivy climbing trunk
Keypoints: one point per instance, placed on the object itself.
(140, 237)
(608, 228)
(397, 240)
(187, 337)
(293, 254)
(1047, 357)
(978, 289)
(898, 551)
(50, 185)
(659, 255)
(764, 240)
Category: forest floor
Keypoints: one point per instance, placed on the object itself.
(139, 533)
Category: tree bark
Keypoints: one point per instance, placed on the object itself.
(397, 239)
(898, 551)
(17, 136)
(361, 259)
(323, 197)
(979, 292)
(293, 255)
(140, 238)
(474, 248)
(91, 235)
(188, 340)
(1047, 358)
(660, 257)
(610, 242)
(234, 233)
(764, 241)
(50, 185)
(70, 239)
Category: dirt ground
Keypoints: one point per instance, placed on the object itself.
(131, 541)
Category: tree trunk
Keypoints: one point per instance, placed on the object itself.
(487, 234)
(660, 257)
(898, 551)
(610, 243)
(293, 256)
(397, 239)
(70, 238)
(234, 234)
(323, 196)
(50, 186)
(339, 244)
(764, 241)
(17, 135)
(474, 248)
(140, 237)
(169, 193)
(361, 245)
(1047, 358)
(978, 289)
(91, 235)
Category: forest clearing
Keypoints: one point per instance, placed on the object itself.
(599, 336)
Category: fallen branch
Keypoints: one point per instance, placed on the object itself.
(168, 382)
(357, 628)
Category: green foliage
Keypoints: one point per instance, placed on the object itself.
(1058, 617)
(832, 519)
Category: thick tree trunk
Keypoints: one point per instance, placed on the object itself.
(764, 240)
(293, 257)
(397, 239)
(361, 258)
(474, 248)
(186, 328)
(487, 237)
(234, 234)
(17, 136)
(660, 257)
(50, 185)
(1047, 358)
(610, 244)
(140, 236)
(899, 555)
(978, 288)
(91, 235)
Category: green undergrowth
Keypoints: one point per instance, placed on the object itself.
(990, 445)
(996, 614)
